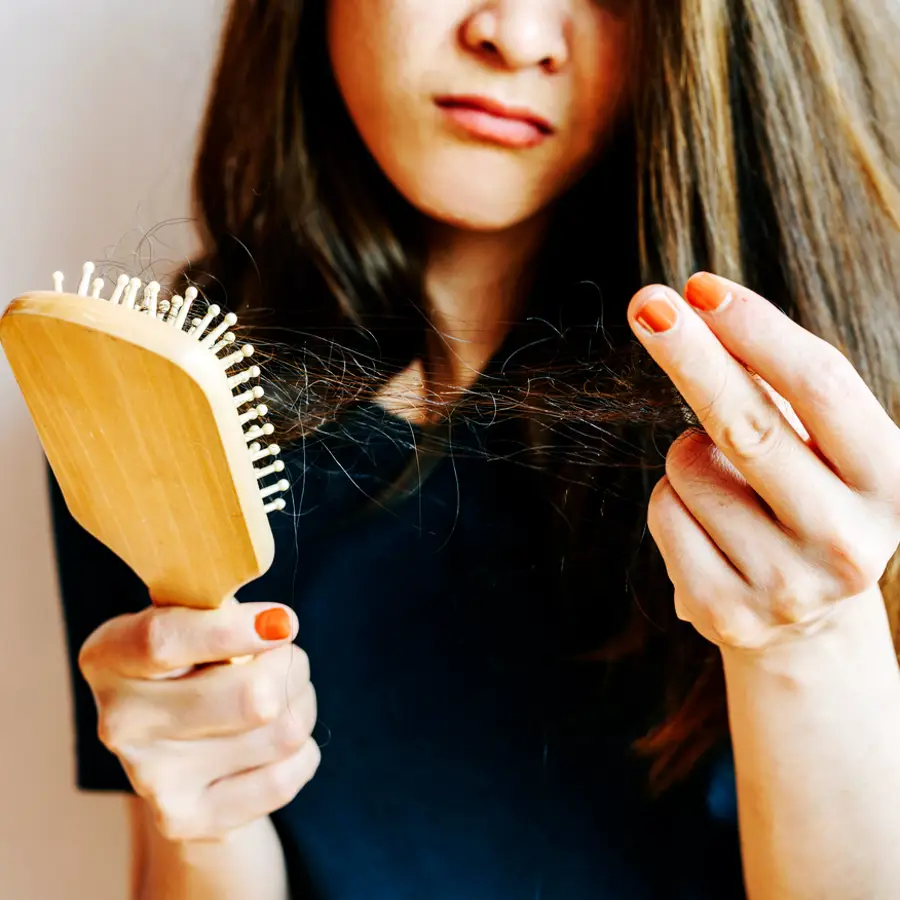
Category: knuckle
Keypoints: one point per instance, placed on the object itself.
(175, 827)
(659, 496)
(828, 381)
(90, 654)
(141, 779)
(315, 759)
(854, 568)
(300, 663)
(308, 759)
(689, 452)
(260, 704)
(681, 609)
(293, 732)
(737, 627)
(753, 434)
(110, 730)
(86, 656)
(299, 720)
(157, 640)
(287, 779)
(788, 606)
(282, 782)
(175, 819)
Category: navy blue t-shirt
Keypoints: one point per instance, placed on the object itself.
(462, 757)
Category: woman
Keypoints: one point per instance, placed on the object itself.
(455, 221)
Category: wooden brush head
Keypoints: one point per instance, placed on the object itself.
(141, 426)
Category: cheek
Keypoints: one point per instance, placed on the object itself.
(374, 46)
(601, 87)
(358, 35)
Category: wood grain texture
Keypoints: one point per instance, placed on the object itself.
(140, 429)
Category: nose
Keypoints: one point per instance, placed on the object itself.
(518, 34)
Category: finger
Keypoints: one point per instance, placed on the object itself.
(214, 759)
(211, 702)
(234, 801)
(231, 699)
(223, 757)
(783, 588)
(740, 417)
(847, 422)
(711, 594)
(161, 640)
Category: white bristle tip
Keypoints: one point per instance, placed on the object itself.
(58, 278)
(86, 271)
(134, 285)
(257, 454)
(121, 284)
(256, 413)
(227, 341)
(275, 505)
(277, 466)
(255, 393)
(277, 488)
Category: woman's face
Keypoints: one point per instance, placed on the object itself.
(481, 112)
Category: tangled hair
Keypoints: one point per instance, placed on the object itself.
(761, 144)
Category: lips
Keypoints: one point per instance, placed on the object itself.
(490, 120)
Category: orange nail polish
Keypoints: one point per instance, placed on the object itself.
(657, 314)
(273, 625)
(706, 292)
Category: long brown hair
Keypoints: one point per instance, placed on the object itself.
(762, 145)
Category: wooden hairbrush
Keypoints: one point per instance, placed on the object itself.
(151, 422)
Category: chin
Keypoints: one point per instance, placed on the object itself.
(475, 217)
(475, 204)
(474, 189)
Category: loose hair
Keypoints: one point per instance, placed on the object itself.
(761, 144)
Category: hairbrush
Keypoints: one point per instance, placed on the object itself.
(151, 422)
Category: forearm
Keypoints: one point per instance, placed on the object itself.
(250, 863)
(816, 732)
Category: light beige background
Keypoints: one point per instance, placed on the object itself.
(100, 102)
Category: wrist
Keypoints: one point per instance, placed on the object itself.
(855, 639)
(246, 862)
(189, 851)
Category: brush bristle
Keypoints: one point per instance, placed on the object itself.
(212, 331)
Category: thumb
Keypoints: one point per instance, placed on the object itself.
(161, 641)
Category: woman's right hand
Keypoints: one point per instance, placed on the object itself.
(210, 748)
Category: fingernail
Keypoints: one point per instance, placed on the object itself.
(657, 314)
(706, 292)
(273, 625)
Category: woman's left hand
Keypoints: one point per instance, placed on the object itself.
(788, 502)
